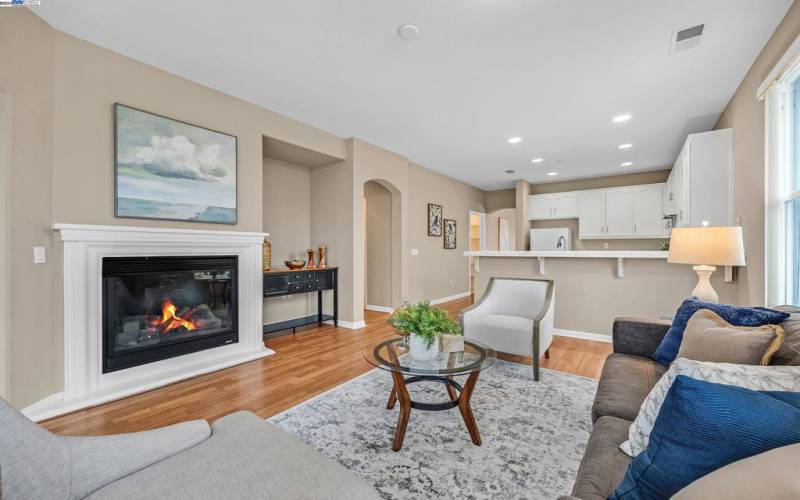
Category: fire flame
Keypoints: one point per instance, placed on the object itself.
(170, 320)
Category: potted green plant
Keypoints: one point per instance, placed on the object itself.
(423, 324)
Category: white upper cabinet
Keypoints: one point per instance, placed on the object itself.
(553, 206)
(700, 184)
(647, 211)
(619, 213)
(591, 214)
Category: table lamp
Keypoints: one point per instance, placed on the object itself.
(704, 248)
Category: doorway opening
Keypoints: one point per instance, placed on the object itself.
(477, 242)
(378, 247)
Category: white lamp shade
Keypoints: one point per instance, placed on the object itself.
(710, 246)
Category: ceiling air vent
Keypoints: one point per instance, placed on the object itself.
(688, 38)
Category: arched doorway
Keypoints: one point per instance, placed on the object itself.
(382, 243)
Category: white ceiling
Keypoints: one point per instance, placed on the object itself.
(553, 72)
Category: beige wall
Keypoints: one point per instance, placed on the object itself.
(287, 219)
(600, 183)
(5, 242)
(589, 296)
(500, 199)
(26, 76)
(436, 273)
(745, 114)
(62, 92)
(378, 205)
(522, 192)
(492, 218)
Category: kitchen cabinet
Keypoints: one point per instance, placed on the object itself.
(647, 211)
(591, 214)
(553, 206)
(621, 213)
(699, 188)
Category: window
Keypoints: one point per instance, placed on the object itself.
(783, 187)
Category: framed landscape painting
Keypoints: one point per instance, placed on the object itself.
(434, 220)
(169, 169)
(449, 234)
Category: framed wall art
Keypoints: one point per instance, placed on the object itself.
(449, 234)
(169, 169)
(434, 220)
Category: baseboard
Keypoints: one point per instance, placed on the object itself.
(457, 296)
(382, 309)
(597, 337)
(56, 404)
(348, 324)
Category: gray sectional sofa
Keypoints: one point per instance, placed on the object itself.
(628, 375)
(238, 456)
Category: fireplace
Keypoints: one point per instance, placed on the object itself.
(156, 308)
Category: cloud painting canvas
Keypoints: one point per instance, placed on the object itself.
(168, 169)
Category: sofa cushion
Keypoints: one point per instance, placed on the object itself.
(603, 465)
(789, 352)
(772, 474)
(704, 426)
(708, 337)
(624, 384)
(502, 332)
(758, 378)
(737, 315)
(245, 458)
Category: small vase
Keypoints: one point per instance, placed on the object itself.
(267, 255)
(310, 253)
(420, 349)
(323, 256)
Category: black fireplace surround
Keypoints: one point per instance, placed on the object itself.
(156, 308)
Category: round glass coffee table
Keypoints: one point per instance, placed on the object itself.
(394, 356)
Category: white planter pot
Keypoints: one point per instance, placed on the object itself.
(420, 350)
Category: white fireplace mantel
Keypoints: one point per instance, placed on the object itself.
(85, 246)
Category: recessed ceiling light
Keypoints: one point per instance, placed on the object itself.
(626, 164)
(509, 171)
(627, 145)
(408, 31)
(551, 174)
(537, 160)
(515, 140)
(621, 118)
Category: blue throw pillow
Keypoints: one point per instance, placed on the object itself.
(736, 315)
(704, 426)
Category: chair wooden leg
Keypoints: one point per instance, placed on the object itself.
(536, 369)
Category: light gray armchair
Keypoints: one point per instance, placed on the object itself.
(514, 316)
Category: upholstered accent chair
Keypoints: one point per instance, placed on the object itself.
(514, 316)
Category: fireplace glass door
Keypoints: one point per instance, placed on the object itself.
(161, 307)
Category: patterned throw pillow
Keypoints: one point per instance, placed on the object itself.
(757, 378)
(667, 351)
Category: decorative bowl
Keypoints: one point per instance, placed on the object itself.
(295, 264)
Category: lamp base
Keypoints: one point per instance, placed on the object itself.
(704, 291)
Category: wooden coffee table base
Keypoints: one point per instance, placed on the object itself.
(459, 396)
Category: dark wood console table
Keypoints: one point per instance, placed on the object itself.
(307, 280)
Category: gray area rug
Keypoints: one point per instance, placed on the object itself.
(533, 433)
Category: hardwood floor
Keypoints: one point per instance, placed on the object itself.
(306, 364)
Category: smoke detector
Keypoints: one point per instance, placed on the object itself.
(687, 38)
(509, 171)
(408, 31)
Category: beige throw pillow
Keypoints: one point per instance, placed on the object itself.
(772, 474)
(710, 338)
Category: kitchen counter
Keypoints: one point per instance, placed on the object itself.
(540, 255)
(585, 254)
